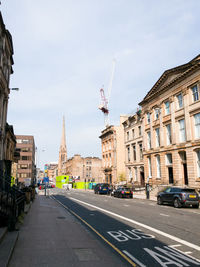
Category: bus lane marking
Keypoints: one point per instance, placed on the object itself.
(179, 240)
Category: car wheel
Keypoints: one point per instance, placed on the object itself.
(159, 201)
(177, 203)
(195, 206)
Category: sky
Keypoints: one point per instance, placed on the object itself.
(63, 53)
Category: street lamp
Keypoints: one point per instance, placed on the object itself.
(14, 89)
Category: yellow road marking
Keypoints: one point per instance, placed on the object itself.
(92, 228)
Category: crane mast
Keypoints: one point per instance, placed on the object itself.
(105, 101)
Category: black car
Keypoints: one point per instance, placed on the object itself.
(123, 192)
(178, 197)
(102, 188)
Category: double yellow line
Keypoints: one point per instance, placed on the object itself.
(94, 230)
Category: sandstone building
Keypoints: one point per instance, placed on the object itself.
(133, 141)
(113, 153)
(6, 62)
(171, 123)
(84, 169)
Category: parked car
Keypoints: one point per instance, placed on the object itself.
(178, 197)
(123, 192)
(102, 188)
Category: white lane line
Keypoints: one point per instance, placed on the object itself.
(162, 214)
(151, 204)
(126, 205)
(184, 242)
(134, 259)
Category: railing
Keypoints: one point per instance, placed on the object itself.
(11, 203)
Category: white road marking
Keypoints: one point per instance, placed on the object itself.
(151, 204)
(162, 214)
(134, 259)
(184, 242)
(186, 253)
(125, 205)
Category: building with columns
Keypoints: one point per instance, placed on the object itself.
(133, 141)
(113, 153)
(62, 153)
(171, 123)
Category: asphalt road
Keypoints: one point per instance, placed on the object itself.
(148, 234)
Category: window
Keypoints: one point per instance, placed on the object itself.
(134, 152)
(148, 117)
(141, 152)
(149, 165)
(128, 153)
(135, 169)
(198, 163)
(180, 100)
(133, 134)
(195, 93)
(182, 130)
(158, 166)
(140, 130)
(167, 110)
(157, 137)
(168, 158)
(127, 136)
(169, 137)
(149, 140)
(130, 173)
(197, 125)
(157, 113)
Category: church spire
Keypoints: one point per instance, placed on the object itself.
(62, 153)
(63, 139)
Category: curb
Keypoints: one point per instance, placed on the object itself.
(7, 247)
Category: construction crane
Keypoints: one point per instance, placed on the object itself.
(105, 101)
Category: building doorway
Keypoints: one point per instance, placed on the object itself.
(184, 163)
(170, 173)
(142, 180)
(185, 173)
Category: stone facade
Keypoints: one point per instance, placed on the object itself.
(171, 123)
(113, 154)
(84, 169)
(62, 153)
(133, 141)
(6, 62)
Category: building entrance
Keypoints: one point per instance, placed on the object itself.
(170, 173)
(185, 173)
(142, 182)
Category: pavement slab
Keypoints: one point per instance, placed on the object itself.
(51, 236)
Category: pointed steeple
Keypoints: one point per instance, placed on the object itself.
(62, 153)
(63, 140)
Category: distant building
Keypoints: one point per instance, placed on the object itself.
(113, 153)
(62, 153)
(133, 140)
(52, 171)
(26, 169)
(171, 123)
(84, 169)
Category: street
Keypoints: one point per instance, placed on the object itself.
(142, 232)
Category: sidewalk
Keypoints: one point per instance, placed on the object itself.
(51, 236)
